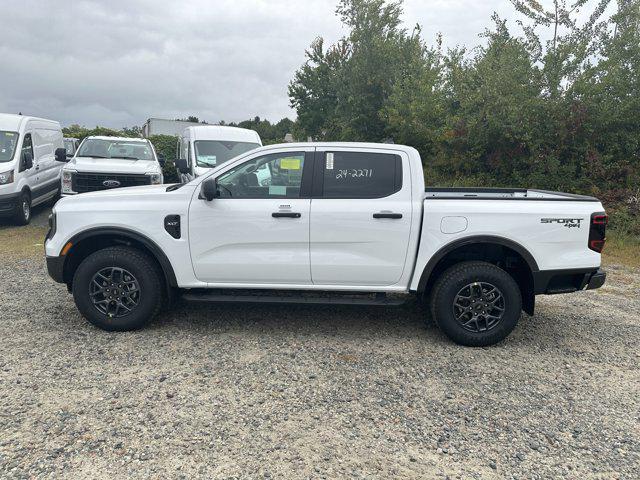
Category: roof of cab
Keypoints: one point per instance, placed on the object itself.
(221, 132)
(119, 139)
(338, 145)
(11, 122)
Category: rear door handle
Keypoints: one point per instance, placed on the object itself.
(387, 215)
(286, 215)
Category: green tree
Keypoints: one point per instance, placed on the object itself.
(166, 145)
(339, 93)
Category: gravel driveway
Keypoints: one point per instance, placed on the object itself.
(315, 392)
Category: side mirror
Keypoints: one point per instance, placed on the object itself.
(161, 160)
(61, 155)
(209, 190)
(183, 166)
(27, 160)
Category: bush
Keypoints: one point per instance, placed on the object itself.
(166, 145)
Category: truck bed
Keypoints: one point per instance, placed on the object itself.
(471, 193)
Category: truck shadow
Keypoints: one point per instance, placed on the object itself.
(407, 320)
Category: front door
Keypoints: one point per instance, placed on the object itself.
(257, 231)
(360, 217)
(30, 173)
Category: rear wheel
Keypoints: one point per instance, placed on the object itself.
(118, 288)
(476, 303)
(22, 214)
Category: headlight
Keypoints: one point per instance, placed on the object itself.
(52, 225)
(67, 181)
(6, 177)
(155, 178)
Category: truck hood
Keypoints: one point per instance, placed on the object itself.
(113, 165)
(124, 191)
(199, 171)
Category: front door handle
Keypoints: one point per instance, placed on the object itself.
(387, 215)
(286, 215)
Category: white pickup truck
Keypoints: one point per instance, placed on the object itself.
(326, 223)
(103, 163)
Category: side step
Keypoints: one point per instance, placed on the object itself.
(330, 298)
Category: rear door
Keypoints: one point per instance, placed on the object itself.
(360, 217)
(257, 231)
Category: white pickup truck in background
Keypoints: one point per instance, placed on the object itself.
(326, 223)
(103, 163)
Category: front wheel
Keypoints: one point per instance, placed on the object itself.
(118, 288)
(22, 215)
(476, 304)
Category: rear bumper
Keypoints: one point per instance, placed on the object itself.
(597, 279)
(566, 281)
(55, 268)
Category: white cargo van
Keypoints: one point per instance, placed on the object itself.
(206, 146)
(29, 172)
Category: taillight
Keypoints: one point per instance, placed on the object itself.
(597, 231)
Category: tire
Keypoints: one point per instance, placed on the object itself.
(22, 215)
(135, 290)
(476, 304)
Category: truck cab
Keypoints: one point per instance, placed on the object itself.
(326, 222)
(203, 147)
(104, 163)
(29, 172)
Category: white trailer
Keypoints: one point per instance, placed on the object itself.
(162, 126)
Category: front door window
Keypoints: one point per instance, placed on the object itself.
(276, 175)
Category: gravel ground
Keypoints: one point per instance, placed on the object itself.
(316, 392)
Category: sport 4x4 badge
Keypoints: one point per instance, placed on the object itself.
(567, 222)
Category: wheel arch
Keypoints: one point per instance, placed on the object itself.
(500, 251)
(92, 240)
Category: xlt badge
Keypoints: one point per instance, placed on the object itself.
(172, 225)
(567, 222)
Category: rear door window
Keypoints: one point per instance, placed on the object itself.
(361, 175)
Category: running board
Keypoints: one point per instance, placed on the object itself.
(305, 299)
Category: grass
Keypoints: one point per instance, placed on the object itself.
(622, 249)
(21, 242)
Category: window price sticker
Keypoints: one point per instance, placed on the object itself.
(329, 161)
(290, 163)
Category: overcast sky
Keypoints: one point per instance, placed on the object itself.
(117, 62)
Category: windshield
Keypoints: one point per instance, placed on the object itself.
(8, 142)
(210, 153)
(99, 148)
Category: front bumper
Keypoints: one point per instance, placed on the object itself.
(55, 268)
(8, 204)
